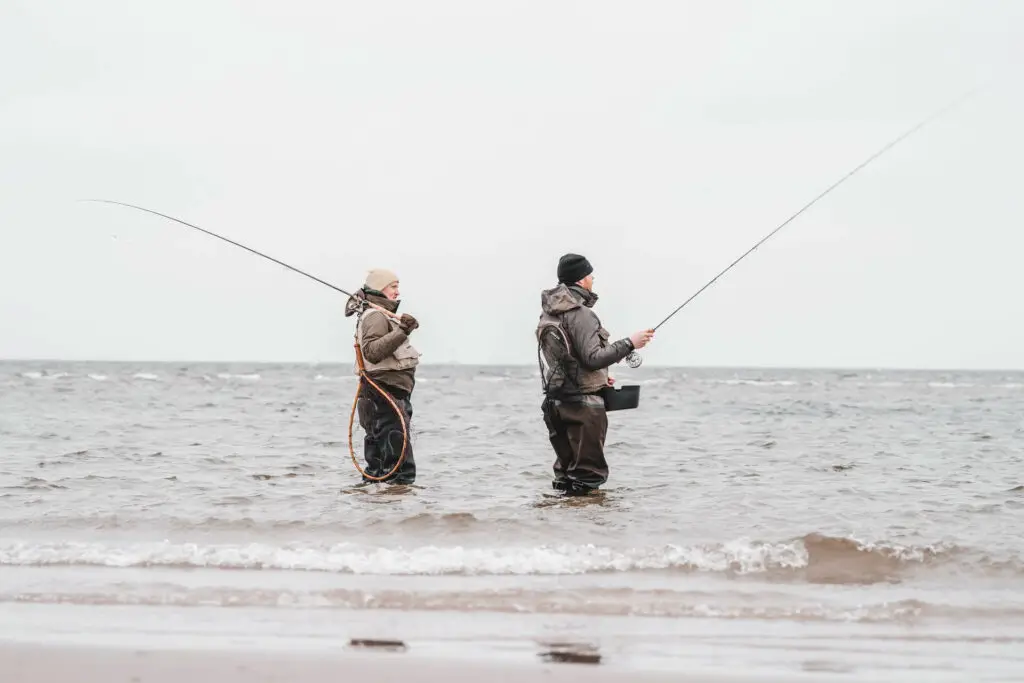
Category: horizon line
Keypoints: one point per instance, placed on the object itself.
(877, 368)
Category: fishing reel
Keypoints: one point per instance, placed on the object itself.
(634, 360)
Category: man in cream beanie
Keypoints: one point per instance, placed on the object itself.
(380, 279)
(390, 361)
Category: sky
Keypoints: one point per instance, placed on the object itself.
(467, 145)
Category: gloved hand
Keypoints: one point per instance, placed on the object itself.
(408, 323)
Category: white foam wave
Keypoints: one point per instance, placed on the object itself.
(45, 375)
(739, 557)
(757, 382)
(98, 378)
(249, 377)
(149, 377)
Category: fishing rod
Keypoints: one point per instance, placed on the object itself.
(363, 377)
(237, 244)
(634, 359)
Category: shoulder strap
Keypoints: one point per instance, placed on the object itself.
(542, 363)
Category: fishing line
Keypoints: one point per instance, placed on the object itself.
(943, 110)
(363, 377)
(361, 370)
(213, 234)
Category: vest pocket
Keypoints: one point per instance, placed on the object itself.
(406, 352)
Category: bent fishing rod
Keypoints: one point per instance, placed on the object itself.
(359, 358)
(634, 360)
(242, 246)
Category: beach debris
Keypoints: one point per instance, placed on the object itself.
(570, 653)
(392, 645)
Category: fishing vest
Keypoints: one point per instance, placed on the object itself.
(404, 357)
(552, 370)
(567, 379)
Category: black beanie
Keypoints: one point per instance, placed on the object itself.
(573, 268)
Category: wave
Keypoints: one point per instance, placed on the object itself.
(813, 558)
(757, 382)
(597, 602)
(46, 374)
(36, 484)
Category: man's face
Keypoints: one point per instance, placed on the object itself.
(391, 291)
(587, 283)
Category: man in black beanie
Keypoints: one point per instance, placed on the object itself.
(574, 354)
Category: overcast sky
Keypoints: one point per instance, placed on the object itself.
(467, 145)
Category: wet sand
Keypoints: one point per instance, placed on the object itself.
(57, 664)
(53, 643)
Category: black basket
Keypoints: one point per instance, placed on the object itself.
(625, 397)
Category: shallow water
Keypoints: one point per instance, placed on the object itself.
(870, 499)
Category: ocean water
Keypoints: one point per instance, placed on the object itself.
(839, 522)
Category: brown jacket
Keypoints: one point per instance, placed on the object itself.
(389, 357)
(573, 344)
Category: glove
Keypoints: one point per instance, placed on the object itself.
(408, 323)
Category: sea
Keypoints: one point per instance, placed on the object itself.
(835, 524)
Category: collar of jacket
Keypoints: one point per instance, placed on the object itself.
(588, 298)
(378, 298)
(355, 304)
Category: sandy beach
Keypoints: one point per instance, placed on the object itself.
(54, 643)
(57, 664)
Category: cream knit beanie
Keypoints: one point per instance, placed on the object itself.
(379, 278)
